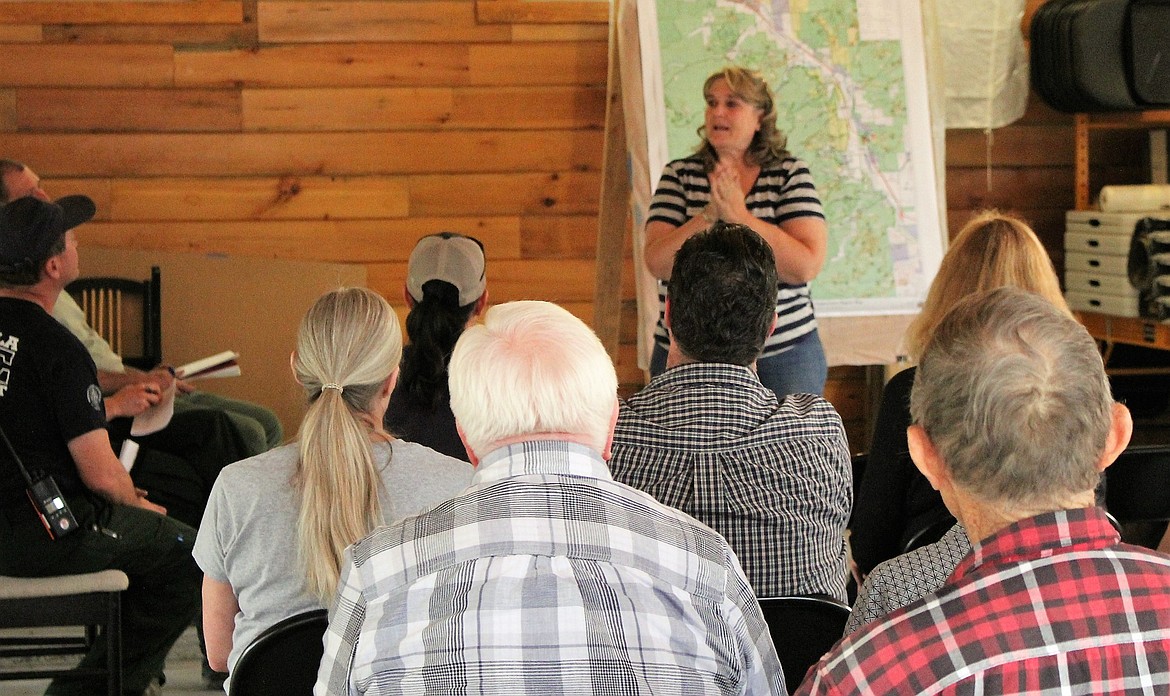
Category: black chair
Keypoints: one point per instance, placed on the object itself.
(112, 307)
(1137, 492)
(1138, 484)
(283, 660)
(930, 533)
(803, 629)
(89, 600)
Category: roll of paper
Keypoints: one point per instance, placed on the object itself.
(1147, 197)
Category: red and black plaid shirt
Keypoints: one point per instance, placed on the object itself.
(1053, 604)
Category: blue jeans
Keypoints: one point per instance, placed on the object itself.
(799, 370)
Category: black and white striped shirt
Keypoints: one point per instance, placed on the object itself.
(781, 192)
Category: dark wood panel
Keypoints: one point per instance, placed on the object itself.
(180, 35)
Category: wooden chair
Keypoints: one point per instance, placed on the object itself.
(283, 660)
(126, 313)
(91, 600)
(803, 629)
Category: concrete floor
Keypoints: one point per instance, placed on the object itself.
(184, 677)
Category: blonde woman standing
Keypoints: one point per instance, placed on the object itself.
(277, 524)
(742, 173)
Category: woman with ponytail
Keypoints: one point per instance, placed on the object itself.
(277, 525)
(446, 289)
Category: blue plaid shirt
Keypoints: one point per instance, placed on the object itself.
(546, 576)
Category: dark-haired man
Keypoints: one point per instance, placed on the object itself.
(51, 409)
(774, 478)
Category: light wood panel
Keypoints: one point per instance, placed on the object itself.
(535, 11)
(537, 193)
(345, 241)
(20, 33)
(106, 12)
(559, 236)
(157, 154)
(403, 108)
(158, 110)
(559, 32)
(406, 64)
(305, 21)
(180, 35)
(52, 65)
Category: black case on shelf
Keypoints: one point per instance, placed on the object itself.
(1102, 55)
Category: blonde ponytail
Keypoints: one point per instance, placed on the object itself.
(348, 346)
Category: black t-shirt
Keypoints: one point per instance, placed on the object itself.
(49, 394)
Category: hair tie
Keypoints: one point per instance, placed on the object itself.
(331, 385)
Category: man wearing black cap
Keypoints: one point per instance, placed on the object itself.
(51, 409)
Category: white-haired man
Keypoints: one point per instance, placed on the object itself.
(1013, 423)
(545, 576)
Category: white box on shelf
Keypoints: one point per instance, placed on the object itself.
(1079, 262)
(1105, 304)
(1097, 283)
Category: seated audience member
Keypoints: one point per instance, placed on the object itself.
(52, 411)
(1050, 601)
(446, 289)
(343, 477)
(545, 576)
(907, 578)
(894, 500)
(258, 428)
(705, 436)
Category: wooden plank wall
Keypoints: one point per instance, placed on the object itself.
(344, 130)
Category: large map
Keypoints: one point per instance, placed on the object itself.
(850, 84)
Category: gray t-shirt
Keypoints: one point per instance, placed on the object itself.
(248, 534)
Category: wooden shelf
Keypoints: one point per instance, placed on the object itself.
(1128, 330)
(1134, 120)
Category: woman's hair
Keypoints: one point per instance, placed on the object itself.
(437, 318)
(768, 144)
(348, 345)
(991, 251)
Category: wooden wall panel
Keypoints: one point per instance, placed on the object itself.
(259, 154)
(528, 11)
(7, 110)
(59, 65)
(342, 241)
(155, 110)
(408, 108)
(178, 35)
(107, 12)
(306, 21)
(503, 194)
(21, 33)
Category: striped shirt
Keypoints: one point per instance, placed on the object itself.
(782, 192)
(774, 478)
(546, 577)
(1052, 604)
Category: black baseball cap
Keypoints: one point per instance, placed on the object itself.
(29, 227)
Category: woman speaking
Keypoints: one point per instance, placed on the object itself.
(741, 173)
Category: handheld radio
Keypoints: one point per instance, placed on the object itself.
(45, 497)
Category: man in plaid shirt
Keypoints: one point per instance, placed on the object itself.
(545, 576)
(774, 478)
(1013, 423)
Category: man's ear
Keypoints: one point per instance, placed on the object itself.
(666, 314)
(480, 304)
(607, 451)
(926, 457)
(1120, 431)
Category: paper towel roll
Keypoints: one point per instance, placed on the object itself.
(1115, 199)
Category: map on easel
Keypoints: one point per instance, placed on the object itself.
(851, 90)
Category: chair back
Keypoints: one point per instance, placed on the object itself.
(283, 660)
(924, 536)
(127, 314)
(803, 629)
(1137, 485)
